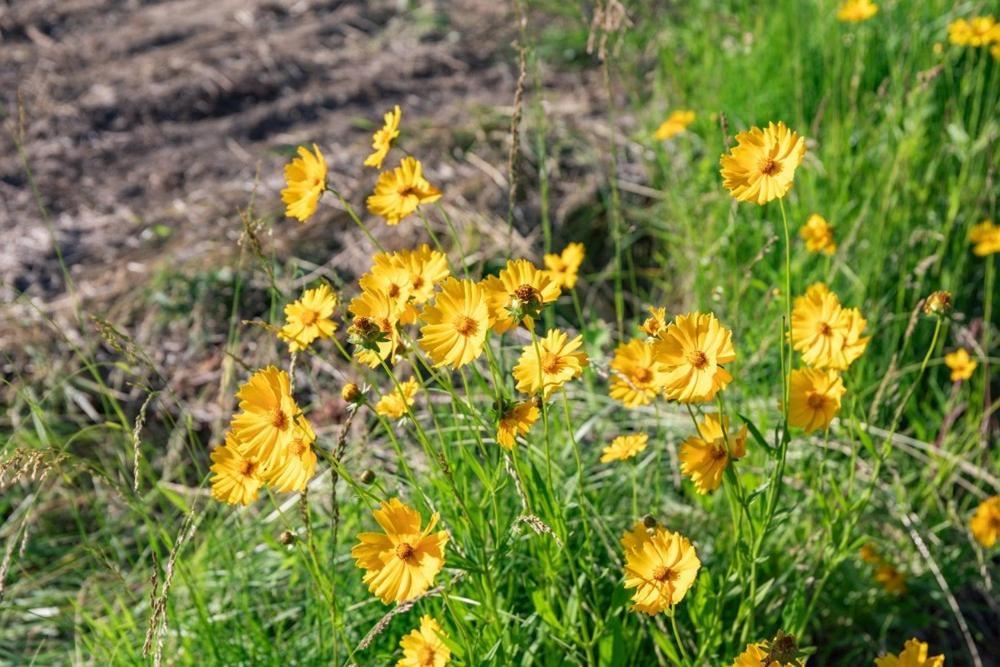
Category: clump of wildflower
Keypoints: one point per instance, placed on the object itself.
(824, 332)
(974, 32)
(236, 479)
(269, 418)
(518, 294)
(397, 402)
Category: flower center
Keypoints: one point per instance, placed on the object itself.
(825, 329)
(308, 317)
(408, 191)
(551, 364)
(248, 468)
(466, 326)
(698, 359)
(418, 282)
(643, 376)
(394, 291)
(526, 293)
(770, 167)
(816, 401)
(279, 420)
(404, 551)
(427, 656)
(718, 453)
(663, 573)
(298, 447)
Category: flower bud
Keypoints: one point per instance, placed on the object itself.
(351, 393)
(938, 303)
(368, 476)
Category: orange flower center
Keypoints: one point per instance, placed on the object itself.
(298, 447)
(404, 551)
(643, 375)
(825, 329)
(247, 468)
(427, 656)
(698, 359)
(466, 326)
(770, 167)
(663, 573)
(526, 293)
(308, 317)
(418, 282)
(394, 291)
(551, 364)
(718, 453)
(816, 401)
(407, 190)
(280, 420)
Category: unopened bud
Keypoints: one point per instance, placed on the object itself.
(649, 521)
(938, 303)
(287, 537)
(368, 476)
(351, 393)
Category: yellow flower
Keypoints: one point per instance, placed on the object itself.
(914, 655)
(456, 324)
(236, 478)
(660, 565)
(818, 235)
(985, 523)
(892, 580)
(977, 31)
(995, 52)
(827, 334)
(546, 368)
(676, 123)
(396, 403)
(852, 11)
(308, 318)
(692, 351)
(426, 269)
(869, 554)
(624, 447)
(299, 465)
(961, 364)
(423, 647)
(402, 561)
(656, 323)
(306, 179)
(351, 393)
(762, 165)
(986, 237)
(637, 377)
(760, 654)
(382, 139)
(374, 329)
(518, 294)
(563, 267)
(814, 398)
(517, 420)
(399, 192)
(269, 417)
(393, 281)
(704, 457)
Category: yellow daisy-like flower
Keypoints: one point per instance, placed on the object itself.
(552, 363)
(269, 417)
(675, 123)
(382, 139)
(654, 325)
(402, 561)
(308, 318)
(396, 403)
(692, 351)
(818, 235)
(376, 313)
(423, 647)
(977, 31)
(399, 192)
(563, 267)
(986, 238)
(914, 655)
(759, 654)
(761, 167)
(852, 11)
(426, 269)
(961, 364)
(825, 333)
(814, 398)
(299, 465)
(704, 457)
(518, 294)
(892, 580)
(985, 523)
(236, 479)
(624, 447)
(660, 565)
(456, 324)
(637, 377)
(516, 420)
(306, 179)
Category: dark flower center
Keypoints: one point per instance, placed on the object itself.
(551, 364)
(816, 401)
(466, 326)
(698, 359)
(280, 419)
(404, 551)
(526, 293)
(308, 317)
(248, 468)
(663, 573)
(643, 375)
(770, 167)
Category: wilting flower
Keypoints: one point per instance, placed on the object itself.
(986, 237)
(985, 523)
(423, 647)
(426, 268)
(308, 318)
(637, 377)
(563, 267)
(401, 562)
(675, 123)
(518, 294)
(624, 447)
(938, 303)
(269, 417)
(236, 479)
(704, 457)
(306, 179)
(374, 328)
(692, 351)
(852, 11)
(892, 580)
(827, 334)
(456, 324)
(814, 398)
(547, 364)
(660, 565)
(515, 420)
(977, 31)
(399, 192)
(961, 364)
(818, 235)
(914, 655)
(654, 325)
(397, 402)
(299, 464)
(762, 165)
(382, 139)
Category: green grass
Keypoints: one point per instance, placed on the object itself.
(901, 160)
